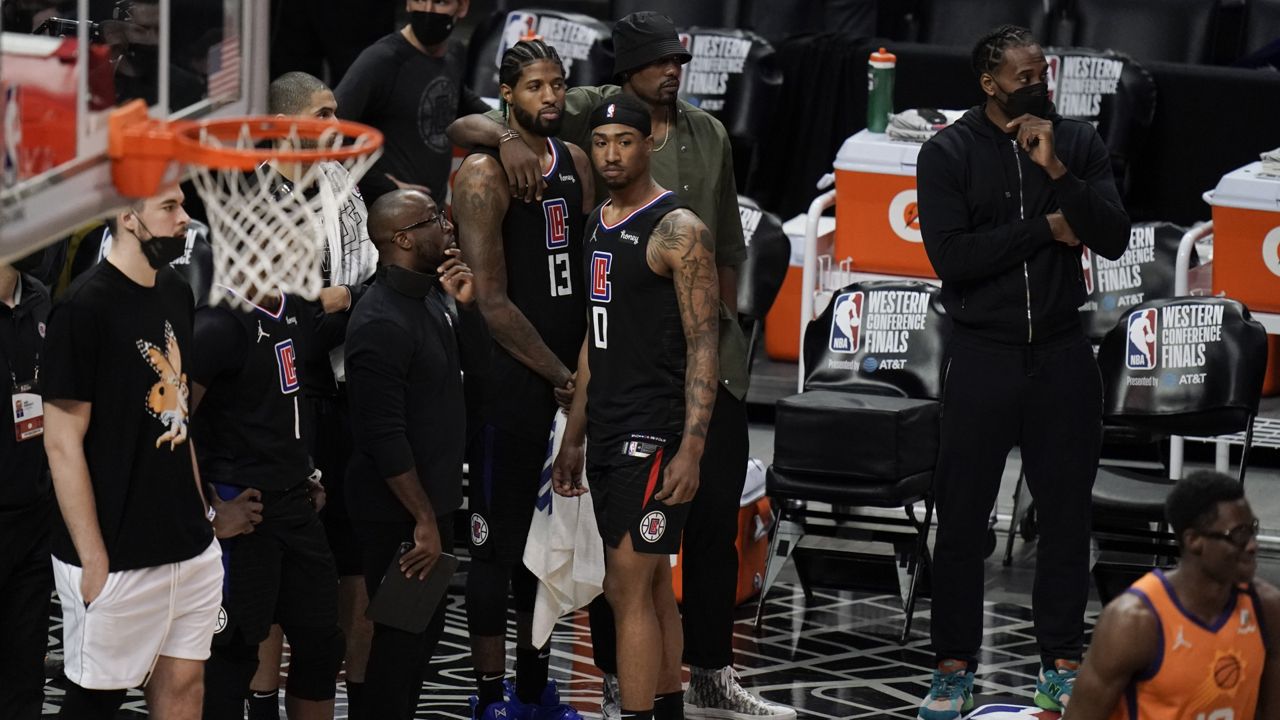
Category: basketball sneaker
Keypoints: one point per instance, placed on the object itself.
(716, 694)
(1053, 689)
(501, 710)
(548, 707)
(950, 694)
(611, 699)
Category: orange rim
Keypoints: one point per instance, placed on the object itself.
(142, 149)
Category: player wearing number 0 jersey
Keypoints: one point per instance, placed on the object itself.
(527, 260)
(647, 391)
(1201, 642)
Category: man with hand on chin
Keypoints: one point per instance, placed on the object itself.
(404, 383)
(1008, 194)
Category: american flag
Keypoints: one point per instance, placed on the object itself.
(224, 68)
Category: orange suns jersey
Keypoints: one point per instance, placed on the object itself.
(1202, 672)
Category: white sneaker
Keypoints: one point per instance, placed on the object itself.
(717, 694)
(611, 698)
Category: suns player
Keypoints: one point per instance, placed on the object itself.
(1200, 642)
(527, 260)
(247, 425)
(644, 398)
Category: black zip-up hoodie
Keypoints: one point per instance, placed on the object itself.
(983, 208)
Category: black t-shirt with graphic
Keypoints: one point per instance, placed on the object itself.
(411, 97)
(120, 346)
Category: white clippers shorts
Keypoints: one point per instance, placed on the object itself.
(169, 610)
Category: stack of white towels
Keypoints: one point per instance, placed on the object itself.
(920, 124)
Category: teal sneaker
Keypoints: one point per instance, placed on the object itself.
(1053, 689)
(950, 694)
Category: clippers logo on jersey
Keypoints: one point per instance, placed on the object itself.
(653, 526)
(1086, 268)
(479, 529)
(1141, 353)
(846, 323)
(601, 288)
(556, 213)
(286, 361)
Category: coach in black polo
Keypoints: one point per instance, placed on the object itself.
(404, 386)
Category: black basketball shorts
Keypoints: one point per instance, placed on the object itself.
(624, 472)
(505, 472)
(282, 572)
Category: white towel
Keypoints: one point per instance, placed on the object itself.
(1271, 162)
(564, 549)
(911, 125)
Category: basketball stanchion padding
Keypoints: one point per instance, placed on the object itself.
(268, 234)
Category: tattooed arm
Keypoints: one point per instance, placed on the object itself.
(480, 203)
(681, 247)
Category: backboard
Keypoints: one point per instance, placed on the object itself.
(60, 78)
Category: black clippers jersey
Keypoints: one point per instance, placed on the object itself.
(542, 247)
(249, 416)
(635, 338)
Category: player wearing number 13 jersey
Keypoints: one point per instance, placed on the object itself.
(527, 261)
(1201, 642)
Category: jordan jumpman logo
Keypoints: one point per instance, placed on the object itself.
(261, 332)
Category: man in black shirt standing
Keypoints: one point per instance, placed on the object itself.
(527, 258)
(135, 562)
(644, 397)
(404, 381)
(1007, 196)
(248, 433)
(409, 86)
(26, 499)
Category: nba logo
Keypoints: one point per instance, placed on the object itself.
(286, 361)
(555, 211)
(519, 25)
(1051, 72)
(1086, 268)
(846, 323)
(601, 288)
(1141, 347)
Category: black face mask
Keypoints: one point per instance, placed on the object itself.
(1027, 100)
(430, 28)
(160, 250)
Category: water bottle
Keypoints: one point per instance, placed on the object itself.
(880, 89)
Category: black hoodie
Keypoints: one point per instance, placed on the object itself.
(983, 208)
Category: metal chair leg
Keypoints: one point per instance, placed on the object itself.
(775, 534)
(919, 561)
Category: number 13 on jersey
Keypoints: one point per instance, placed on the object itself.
(601, 292)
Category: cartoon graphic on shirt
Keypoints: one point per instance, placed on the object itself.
(167, 399)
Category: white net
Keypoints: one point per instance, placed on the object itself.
(268, 225)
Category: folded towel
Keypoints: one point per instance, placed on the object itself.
(920, 124)
(1271, 162)
(564, 549)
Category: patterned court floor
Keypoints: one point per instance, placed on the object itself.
(837, 657)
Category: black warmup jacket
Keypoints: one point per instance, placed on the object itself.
(983, 204)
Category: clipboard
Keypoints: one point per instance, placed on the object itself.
(408, 604)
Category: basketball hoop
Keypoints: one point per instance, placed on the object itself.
(263, 186)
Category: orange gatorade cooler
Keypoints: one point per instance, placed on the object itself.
(1246, 238)
(755, 518)
(877, 217)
